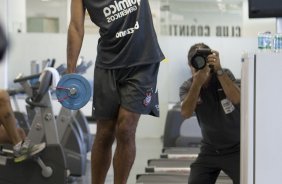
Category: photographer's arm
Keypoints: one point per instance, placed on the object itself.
(231, 90)
(190, 101)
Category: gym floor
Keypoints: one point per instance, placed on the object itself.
(147, 148)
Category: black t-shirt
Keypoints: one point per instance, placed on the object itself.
(127, 33)
(218, 118)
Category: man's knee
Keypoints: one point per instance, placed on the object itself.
(4, 101)
(125, 131)
(126, 128)
(105, 132)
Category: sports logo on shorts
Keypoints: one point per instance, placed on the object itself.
(148, 97)
(157, 107)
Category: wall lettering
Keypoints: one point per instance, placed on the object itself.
(204, 30)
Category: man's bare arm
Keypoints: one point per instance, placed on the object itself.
(75, 34)
(190, 101)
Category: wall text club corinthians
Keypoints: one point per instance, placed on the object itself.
(120, 9)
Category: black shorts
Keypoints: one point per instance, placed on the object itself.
(132, 88)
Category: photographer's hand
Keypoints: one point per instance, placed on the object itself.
(213, 59)
(201, 76)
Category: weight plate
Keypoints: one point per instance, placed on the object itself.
(73, 91)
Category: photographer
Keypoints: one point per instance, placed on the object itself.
(213, 95)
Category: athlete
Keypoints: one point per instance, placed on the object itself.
(125, 77)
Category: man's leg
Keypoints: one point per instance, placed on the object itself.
(204, 170)
(125, 150)
(7, 118)
(22, 149)
(231, 166)
(101, 154)
(5, 139)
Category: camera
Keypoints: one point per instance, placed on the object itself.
(199, 59)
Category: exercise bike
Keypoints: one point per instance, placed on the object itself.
(50, 166)
(73, 130)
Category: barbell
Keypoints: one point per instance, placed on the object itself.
(73, 91)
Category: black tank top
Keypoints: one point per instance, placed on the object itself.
(127, 35)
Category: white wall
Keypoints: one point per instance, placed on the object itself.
(38, 47)
(252, 26)
(16, 16)
(181, 12)
(172, 73)
(11, 21)
(230, 50)
(206, 13)
(55, 10)
(28, 47)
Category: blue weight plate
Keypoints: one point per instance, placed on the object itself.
(81, 86)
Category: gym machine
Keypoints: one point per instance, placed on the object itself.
(173, 169)
(173, 166)
(65, 152)
(175, 178)
(50, 165)
(181, 132)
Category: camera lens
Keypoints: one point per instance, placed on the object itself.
(198, 62)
